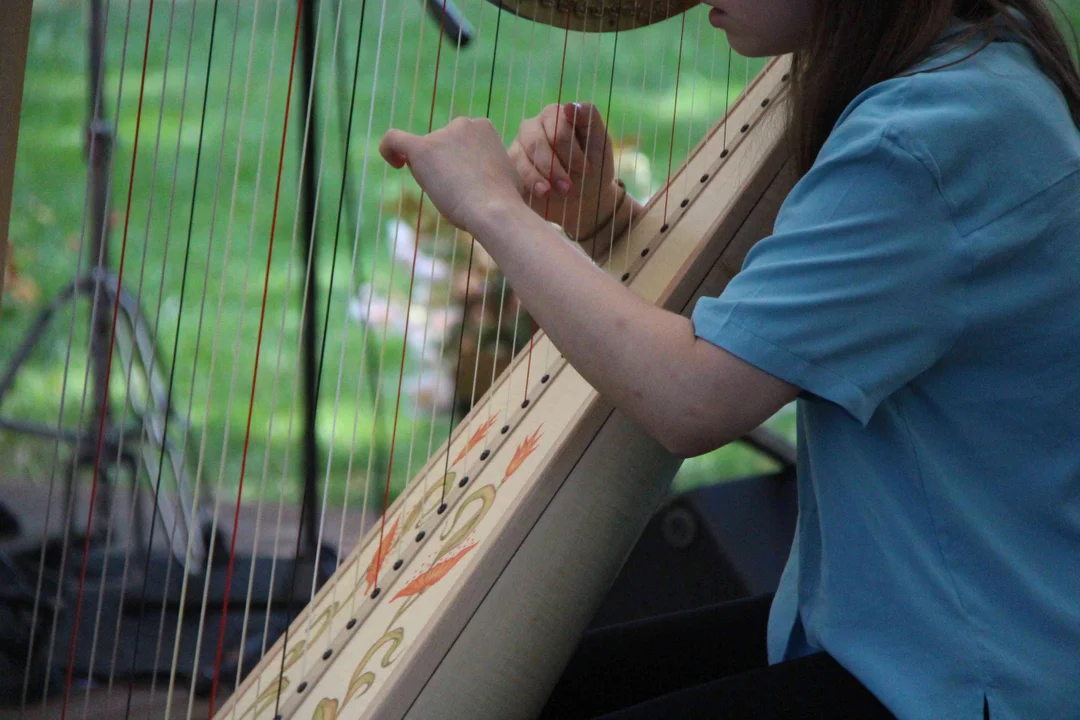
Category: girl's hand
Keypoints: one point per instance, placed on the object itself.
(463, 168)
(565, 160)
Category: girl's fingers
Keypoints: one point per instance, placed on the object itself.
(536, 187)
(560, 134)
(591, 133)
(533, 185)
(395, 147)
(548, 166)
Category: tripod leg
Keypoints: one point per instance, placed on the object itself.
(161, 442)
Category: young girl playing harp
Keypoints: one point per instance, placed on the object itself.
(919, 298)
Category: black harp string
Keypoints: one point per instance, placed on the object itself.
(150, 372)
(236, 514)
(379, 553)
(269, 257)
(468, 274)
(727, 93)
(102, 421)
(183, 444)
(349, 192)
(172, 369)
(306, 29)
(291, 600)
(674, 118)
(603, 154)
(245, 623)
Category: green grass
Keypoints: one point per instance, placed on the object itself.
(230, 226)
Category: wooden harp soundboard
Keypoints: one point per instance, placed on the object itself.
(469, 597)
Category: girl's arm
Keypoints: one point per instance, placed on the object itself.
(690, 395)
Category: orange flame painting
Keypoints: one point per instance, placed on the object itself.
(380, 555)
(476, 439)
(433, 575)
(525, 449)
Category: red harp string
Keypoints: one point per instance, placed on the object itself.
(255, 369)
(380, 554)
(108, 370)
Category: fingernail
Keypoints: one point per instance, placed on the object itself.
(540, 188)
(563, 187)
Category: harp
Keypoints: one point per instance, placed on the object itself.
(467, 595)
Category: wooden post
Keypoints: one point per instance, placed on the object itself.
(14, 41)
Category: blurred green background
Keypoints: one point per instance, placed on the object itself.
(208, 327)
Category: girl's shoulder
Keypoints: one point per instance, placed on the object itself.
(986, 122)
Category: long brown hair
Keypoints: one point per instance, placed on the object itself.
(855, 44)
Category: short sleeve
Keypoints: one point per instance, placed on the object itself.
(861, 286)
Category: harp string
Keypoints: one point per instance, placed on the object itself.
(198, 340)
(308, 276)
(547, 210)
(398, 225)
(131, 516)
(487, 268)
(354, 594)
(123, 421)
(693, 97)
(217, 325)
(408, 308)
(447, 302)
(319, 372)
(409, 456)
(235, 368)
(239, 334)
(638, 135)
(320, 368)
(168, 404)
(55, 462)
(312, 37)
(144, 432)
(503, 284)
(674, 116)
(468, 277)
(727, 93)
(108, 370)
(348, 127)
(607, 136)
(229, 404)
(551, 30)
(341, 361)
(262, 315)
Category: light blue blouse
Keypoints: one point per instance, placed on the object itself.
(923, 288)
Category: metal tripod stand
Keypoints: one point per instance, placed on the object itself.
(147, 440)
